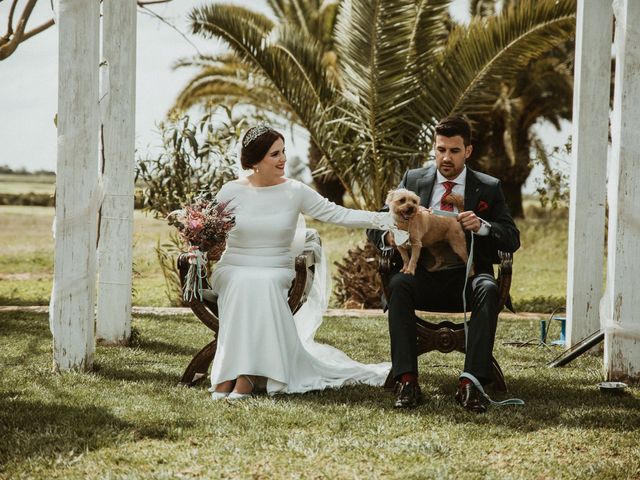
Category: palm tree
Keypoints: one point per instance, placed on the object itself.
(503, 140)
(398, 68)
(226, 79)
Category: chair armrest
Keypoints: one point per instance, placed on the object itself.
(384, 268)
(505, 270)
(386, 260)
(297, 293)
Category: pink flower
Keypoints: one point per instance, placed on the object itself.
(204, 223)
(196, 224)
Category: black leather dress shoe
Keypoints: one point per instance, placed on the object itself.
(470, 398)
(409, 395)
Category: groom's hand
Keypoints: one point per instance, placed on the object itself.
(469, 221)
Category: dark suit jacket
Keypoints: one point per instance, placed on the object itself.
(483, 195)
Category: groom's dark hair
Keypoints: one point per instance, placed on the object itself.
(452, 126)
(257, 148)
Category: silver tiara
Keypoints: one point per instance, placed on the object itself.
(255, 132)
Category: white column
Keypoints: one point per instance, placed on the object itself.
(78, 194)
(588, 167)
(116, 222)
(621, 303)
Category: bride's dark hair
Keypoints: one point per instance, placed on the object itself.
(257, 148)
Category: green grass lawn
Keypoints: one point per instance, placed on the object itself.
(26, 259)
(129, 419)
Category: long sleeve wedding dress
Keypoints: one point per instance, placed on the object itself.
(258, 334)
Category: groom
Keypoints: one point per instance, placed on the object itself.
(486, 214)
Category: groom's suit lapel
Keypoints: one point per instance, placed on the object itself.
(472, 190)
(424, 186)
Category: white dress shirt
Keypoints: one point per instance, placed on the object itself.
(438, 189)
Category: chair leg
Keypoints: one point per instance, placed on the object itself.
(199, 365)
(499, 384)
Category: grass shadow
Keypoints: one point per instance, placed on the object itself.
(159, 346)
(549, 400)
(362, 395)
(21, 324)
(135, 372)
(38, 429)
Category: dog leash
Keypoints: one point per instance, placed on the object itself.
(478, 385)
(469, 376)
(446, 213)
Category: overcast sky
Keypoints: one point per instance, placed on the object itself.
(29, 82)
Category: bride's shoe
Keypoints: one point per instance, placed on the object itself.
(233, 396)
(240, 396)
(220, 395)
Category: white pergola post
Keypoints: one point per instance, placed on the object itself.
(78, 193)
(588, 168)
(116, 221)
(621, 303)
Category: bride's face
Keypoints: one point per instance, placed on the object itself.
(272, 164)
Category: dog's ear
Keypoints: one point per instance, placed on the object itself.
(390, 197)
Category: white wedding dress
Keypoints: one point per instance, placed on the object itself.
(258, 334)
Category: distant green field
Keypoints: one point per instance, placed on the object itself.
(18, 183)
(26, 259)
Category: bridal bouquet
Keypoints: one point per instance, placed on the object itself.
(204, 226)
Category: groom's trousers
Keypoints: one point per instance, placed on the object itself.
(441, 291)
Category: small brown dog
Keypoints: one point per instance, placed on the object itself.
(425, 228)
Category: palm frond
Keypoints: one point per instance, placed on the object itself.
(372, 41)
(429, 29)
(278, 7)
(225, 58)
(299, 17)
(468, 75)
(289, 60)
(327, 15)
(213, 86)
(482, 8)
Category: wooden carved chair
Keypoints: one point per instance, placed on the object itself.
(207, 309)
(448, 336)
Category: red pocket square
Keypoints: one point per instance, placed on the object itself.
(482, 206)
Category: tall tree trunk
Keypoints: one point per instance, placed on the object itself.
(327, 184)
(513, 196)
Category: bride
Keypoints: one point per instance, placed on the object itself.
(259, 339)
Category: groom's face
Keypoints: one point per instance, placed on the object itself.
(451, 155)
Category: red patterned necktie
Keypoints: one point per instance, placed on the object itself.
(448, 186)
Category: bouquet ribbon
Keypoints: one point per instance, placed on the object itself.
(197, 272)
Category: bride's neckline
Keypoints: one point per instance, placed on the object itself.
(248, 184)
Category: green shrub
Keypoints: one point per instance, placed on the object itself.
(539, 304)
(28, 199)
(196, 157)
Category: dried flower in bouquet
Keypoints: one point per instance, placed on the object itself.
(204, 226)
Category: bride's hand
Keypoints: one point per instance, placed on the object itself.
(191, 255)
